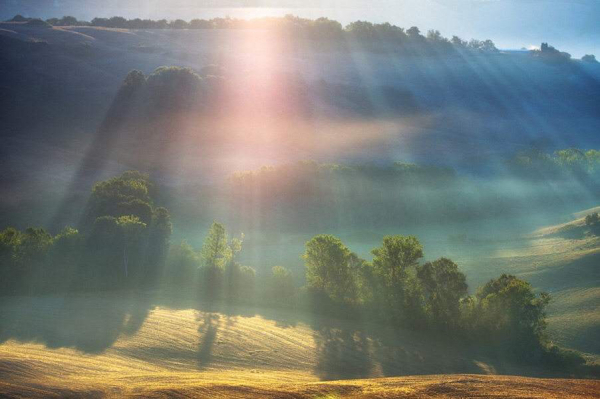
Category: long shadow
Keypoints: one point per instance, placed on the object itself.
(96, 158)
(89, 323)
(342, 353)
(208, 330)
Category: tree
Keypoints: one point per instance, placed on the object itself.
(593, 222)
(434, 35)
(214, 254)
(589, 58)
(132, 228)
(280, 289)
(182, 265)
(395, 257)
(178, 24)
(215, 250)
(328, 269)
(414, 33)
(444, 286)
(592, 219)
(128, 194)
(68, 20)
(133, 81)
(239, 279)
(394, 264)
(458, 42)
(509, 311)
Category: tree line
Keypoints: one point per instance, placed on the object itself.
(396, 287)
(320, 28)
(123, 242)
(563, 163)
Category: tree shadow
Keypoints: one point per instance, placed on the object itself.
(342, 353)
(208, 331)
(89, 323)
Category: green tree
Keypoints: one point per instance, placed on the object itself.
(394, 265)
(327, 262)
(214, 254)
(280, 289)
(128, 194)
(132, 229)
(239, 279)
(182, 265)
(592, 219)
(444, 286)
(509, 311)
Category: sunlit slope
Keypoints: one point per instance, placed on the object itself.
(115, 347)
(444, 386)
(563, 260)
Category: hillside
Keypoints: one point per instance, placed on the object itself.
(562, 260)
(306, 103)
(108, 346)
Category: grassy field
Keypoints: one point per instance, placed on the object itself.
(151, 345)
(112, 347)
(562, 260)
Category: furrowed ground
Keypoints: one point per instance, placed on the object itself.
(106, 346)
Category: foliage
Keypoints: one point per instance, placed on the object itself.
(592, 219)
(444, 286)
(327, 262)
(123, 243)
(37, 23)
(550, 54)
(67, 20)
(394, 265)
(280, 289)
(128, 243)
(320, 30)
(509, 311)
(589, 58)
(222, 274)
(182, 266)
(564, 163)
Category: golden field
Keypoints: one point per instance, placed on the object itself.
(102, 346)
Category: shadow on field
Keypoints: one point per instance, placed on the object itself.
(208, 332)
(342, 353)
(89, 323)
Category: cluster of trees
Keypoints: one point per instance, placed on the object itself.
(592, 221)
(565, 162)
(121, 242)
(216, 274)
(397, 286)
(549, 53)
(307, 193)
(320, 28)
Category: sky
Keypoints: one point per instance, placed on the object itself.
(570, 25)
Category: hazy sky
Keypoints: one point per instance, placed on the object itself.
(570, 25)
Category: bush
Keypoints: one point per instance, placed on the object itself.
(38, 23)
(555, 357)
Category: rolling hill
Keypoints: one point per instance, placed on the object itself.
(115, 346)
(563, 260)
(356, 105)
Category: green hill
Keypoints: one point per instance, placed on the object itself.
(563, 260)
